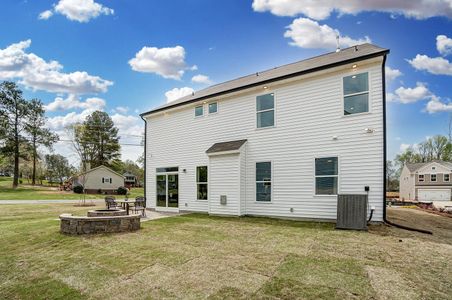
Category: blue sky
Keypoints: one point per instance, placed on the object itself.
(97, 45)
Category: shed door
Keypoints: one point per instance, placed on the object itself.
(434, 195)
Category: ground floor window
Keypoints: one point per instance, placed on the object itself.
(326, 175)
(264, 181)
(201, 182)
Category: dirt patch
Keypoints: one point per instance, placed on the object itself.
(440, 226)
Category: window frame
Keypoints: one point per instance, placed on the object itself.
(419, 178)
(202, 182)
(369, 92)
(448, 177)
(338, 176)
(256, 182)
(201, 115)
(431, 178)
(256, 112)
(208, 107)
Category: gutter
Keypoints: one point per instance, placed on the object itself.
(383, 72)
(144, 157)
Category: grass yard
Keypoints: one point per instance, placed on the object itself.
(37, 192)
(197, 256)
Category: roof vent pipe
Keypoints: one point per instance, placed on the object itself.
(338, 47)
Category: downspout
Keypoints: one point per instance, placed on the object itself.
(144, 160)
(383, 72)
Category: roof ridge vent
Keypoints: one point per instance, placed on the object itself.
(356, 48)
(338, 47)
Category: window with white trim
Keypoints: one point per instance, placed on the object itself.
(213, 107)
(199, 111)
(356, 93)
(446, 177)
(265, 110)
(326, 176)
(421, 178)
(106, 180)
(433, 177)
(201, 182)
(264, 181)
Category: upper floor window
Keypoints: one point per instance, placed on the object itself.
(326, 175)
(421, 178)
(446, 177)
(433, 177)
(265, 109)
(264, 181)
(201, 182)
(356, 93)
(213, 107)
(199, 111)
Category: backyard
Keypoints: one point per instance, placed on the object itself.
(45, 192)
(194, 256)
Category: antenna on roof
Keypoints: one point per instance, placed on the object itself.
(338, 47)
(192, 93)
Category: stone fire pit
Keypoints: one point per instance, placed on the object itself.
(99, 221)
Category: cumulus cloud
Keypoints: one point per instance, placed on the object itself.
(167, 62)
(306, 33)
(392, 74)
(73, 102)
(77, 10)
(444, 45)
(404, 147)
(319, 10)
(436, 105)
(122, 109)
(411, 95)
(45, 15)
(436, 65)
(38, 74)
(201, 79)
(178, 93)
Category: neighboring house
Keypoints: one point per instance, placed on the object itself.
(130, 180)
(99, 180)
(280, 143)
(426, 182)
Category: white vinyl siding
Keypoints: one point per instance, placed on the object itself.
(309, 113)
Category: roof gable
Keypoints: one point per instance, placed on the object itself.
(102, 167)
(440, 167)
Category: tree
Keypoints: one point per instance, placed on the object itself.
(57, 167)
(13, 113)
(96, 140)
(439, 144)
(38, 134)
(392, 175)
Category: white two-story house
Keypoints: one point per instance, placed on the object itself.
(279, 143)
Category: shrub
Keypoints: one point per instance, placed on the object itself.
(20, 181)
(78, 189)
(122, 190)
(99, 191)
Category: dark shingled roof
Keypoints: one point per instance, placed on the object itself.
(416, 166)
(329, 60)
(226, 146)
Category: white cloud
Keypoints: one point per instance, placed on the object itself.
(122, 109)
(436, 105)
(404, 147)
(178, 93)
(77, 10)
(45, 15)
(306, 33)
(436, 65)
(201, 79)
(444, 45)
(166, 62)
(411, 95)
(73, 102)
(319, 10)
(392, 74)
(38, 74)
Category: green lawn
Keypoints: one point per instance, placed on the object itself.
(29, 192)
(197, 256)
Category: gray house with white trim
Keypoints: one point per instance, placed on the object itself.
(280, 143)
